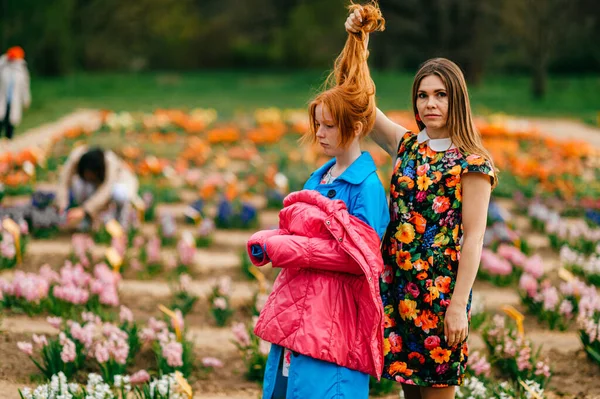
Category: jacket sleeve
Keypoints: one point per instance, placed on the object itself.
(256, 246)
(294, 251)
(103, 194)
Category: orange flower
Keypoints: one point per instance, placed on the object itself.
(407, 309)
(388, 322)
(416, 355)
(399, 367)
(423, 183)
(437, 176)
(422, 275)
(452, 181)
(405, 233)
(408, 181)
(458, 192)
(440, 355)
(441, 204)
(454, 254)
(418, 221)
(443, 284)
(403, 258)
(455, 171)
(420, 265)
(427, 320)
(475, 159)
(395, 343)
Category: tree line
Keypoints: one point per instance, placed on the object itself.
(482, 36)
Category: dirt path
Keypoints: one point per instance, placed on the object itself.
(41, 136)
(561, 129)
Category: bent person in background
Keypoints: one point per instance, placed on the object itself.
(90, 181)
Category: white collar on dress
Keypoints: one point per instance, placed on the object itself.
(436, 145)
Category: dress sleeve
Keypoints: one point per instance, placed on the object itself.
(478, 164)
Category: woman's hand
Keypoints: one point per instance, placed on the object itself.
(456, 325)
(75, 216)
(354, 24)
(354, 21)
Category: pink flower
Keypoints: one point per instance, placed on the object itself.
(109, 296)
(54, 322)
(534, 266)
(140, 377)
(432, 342)
(550, 298)
(40, 340)
(412, 289)
(138, 242)
(48, 274)
(241, 334)
(529, 284)
(68, 353)
(566, 308)
(153, 251)
(186, 253)
(442, 369)
(173, 353)
(512, 254)
(136, 265)
(479, 364)
(184, 282)
(25, 347)
(264, 347)
(101, 353)
(494, 265)
(220, 303)
(212, 362)
(542, 368)
(125, 315)
(523, 359)
(224, 285)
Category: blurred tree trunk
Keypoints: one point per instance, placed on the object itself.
(538, 27)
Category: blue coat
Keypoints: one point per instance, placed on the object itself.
(360, 188)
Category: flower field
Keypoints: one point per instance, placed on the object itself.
(162, 305)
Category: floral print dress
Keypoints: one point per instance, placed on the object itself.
(421, 250)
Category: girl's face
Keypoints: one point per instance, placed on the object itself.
(328, 134)
(432, 102)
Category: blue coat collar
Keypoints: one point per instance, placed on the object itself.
(355, 173)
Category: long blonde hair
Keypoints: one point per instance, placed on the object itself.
(461, 125)
(349, 91)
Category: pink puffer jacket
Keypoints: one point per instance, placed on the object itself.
(325, 302)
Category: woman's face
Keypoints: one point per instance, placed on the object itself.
(432, 102)
(328, 134)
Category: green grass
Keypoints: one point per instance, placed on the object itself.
(231, 91)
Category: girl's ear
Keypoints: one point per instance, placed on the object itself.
(358, 128)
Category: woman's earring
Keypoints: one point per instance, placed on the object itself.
(418, 118)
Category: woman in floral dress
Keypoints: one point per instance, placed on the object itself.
(439, 195)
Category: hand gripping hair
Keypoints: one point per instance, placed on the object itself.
(349, 91)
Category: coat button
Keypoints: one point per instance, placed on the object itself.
(340, 239)
(331, 193)
(327, 222)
